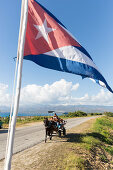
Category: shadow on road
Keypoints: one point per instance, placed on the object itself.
(3, 130)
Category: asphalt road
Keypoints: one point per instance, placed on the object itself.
(26, 137)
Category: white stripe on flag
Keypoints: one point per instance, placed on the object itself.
(73, 54)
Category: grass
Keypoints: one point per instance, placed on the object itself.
(109, 149)
(89, 142)
(22, 120)
(100, 136)
(30, 119)
(97, 142)
(72, 161)
(104, 127)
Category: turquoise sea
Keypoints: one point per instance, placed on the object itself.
(28, 114)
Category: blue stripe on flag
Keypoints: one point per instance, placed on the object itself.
(82, 49)
(69, 66)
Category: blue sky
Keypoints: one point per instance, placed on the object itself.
(91, 22)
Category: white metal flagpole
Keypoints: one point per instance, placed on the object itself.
(15, 76)
(21, 42)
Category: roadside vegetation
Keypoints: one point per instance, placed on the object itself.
(22, 120)
(80, 114)
(88, 146)
(30, 119)
(96, 146)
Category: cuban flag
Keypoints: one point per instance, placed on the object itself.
(49, 44)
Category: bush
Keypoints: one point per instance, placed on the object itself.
(94, 114)
(35, 118)
(77, 114)
(6, 120)
(110, 114)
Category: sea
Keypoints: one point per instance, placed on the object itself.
(29, 114)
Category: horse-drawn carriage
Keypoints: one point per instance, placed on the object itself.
(54, 125)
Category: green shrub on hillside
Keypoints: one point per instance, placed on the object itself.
(6, 120)
(77, 114)
(110, 114)
(95, 114)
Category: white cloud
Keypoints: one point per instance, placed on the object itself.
(102, 98)
(47, 94)
(106, 98)
(57, 93)
(5, 98)
(75, 87)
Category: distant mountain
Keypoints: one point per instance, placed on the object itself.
(68, 108)
(61, 108)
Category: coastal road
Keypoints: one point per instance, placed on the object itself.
(28, 136)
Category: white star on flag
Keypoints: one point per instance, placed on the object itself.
(44, 30)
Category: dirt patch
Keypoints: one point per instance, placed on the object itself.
(56, 154)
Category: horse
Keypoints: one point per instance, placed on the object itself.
(50, 126)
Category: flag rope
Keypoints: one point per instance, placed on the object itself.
(12, 105)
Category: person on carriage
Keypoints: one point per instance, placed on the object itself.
(54, 120)
(58, 121)
(55, 117)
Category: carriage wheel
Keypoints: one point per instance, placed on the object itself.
(64, 131)
(59, 133)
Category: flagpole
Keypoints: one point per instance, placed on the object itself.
(20, 51)
(15, 76)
